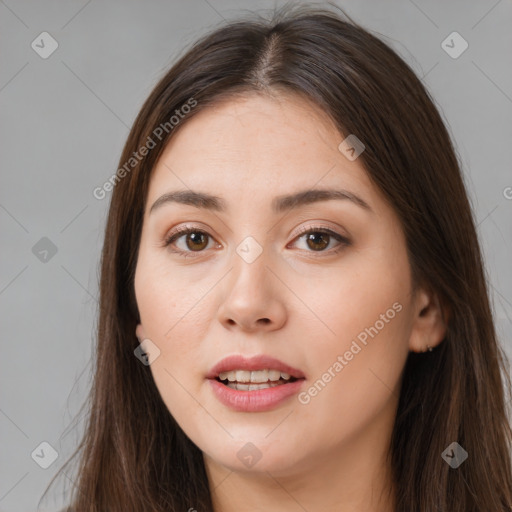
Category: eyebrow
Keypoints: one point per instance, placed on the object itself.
(279, 203)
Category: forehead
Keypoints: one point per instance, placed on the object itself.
(242, 126)
(266, 145)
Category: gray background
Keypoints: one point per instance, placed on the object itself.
(64, 121)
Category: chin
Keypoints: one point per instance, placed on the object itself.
(257, 456)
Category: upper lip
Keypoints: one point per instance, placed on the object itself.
(257, 362)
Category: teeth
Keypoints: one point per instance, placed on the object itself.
(255, 377)
(274, 375)
(252, 387)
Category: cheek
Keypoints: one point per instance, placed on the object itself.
(358, 364)
(355, 378)
(175, 313)
(169, 297)
(174, 326)
(351, 296)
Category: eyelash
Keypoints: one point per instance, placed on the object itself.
(344, 241)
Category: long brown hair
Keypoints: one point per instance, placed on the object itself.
(134, 456)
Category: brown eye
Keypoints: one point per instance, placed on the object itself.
(319, 238)
(195, 240)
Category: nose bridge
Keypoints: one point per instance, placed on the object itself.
(252, 236)
(250, 272)
(252, 297)
(254, 251)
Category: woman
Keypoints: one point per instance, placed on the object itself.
(293, 312)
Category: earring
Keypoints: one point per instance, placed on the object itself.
(429, 348)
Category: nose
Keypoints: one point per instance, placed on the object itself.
(252, 297)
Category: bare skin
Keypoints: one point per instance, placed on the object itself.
(328, 450)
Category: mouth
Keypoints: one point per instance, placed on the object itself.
(255, 380)
(256, 383)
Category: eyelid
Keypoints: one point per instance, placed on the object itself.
(319, 228)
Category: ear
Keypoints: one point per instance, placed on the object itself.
(139, 332)
(429, 324)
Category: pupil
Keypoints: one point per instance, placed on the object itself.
(196, 238)
(313, 236)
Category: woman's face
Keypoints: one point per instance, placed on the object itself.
(335, 304)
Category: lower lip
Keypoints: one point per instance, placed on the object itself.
(254, 401)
